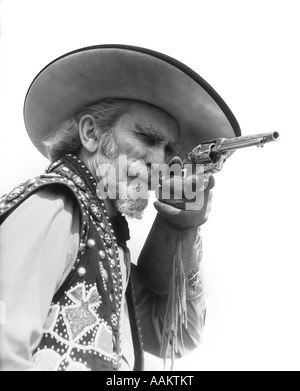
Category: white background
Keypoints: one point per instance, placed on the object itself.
(249, 52)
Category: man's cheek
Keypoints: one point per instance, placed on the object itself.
(107, 184)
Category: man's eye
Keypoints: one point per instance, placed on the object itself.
(146, 138)
(169, 150)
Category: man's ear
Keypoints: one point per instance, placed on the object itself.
(88, 132)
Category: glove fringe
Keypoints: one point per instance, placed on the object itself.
(176, 310)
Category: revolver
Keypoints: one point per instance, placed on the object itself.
(213, 154)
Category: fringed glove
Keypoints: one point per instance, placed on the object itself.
(163, 264)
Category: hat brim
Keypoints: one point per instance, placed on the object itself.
(95, 73)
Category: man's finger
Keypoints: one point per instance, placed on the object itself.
(211, 183)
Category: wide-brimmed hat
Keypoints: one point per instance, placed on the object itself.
(91, 74)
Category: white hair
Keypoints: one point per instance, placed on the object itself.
(66, 139)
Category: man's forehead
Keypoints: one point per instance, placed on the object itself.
(152, 116)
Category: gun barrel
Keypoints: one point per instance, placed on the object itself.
(216, 151)
(231, 144)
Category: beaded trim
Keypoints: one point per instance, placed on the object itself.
(94, 207)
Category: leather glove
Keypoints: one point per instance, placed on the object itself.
(174, 221)
(183, 213)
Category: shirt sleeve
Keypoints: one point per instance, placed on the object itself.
(38, 247)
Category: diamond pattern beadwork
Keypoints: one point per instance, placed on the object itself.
(15, 193)
(96, 212)
(78, 181)
(108, 240)
(80, 317)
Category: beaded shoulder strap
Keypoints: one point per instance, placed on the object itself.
(9, 202)
(71, 173)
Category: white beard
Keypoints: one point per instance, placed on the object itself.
(136, 197)
(131, 195)
(134, 209)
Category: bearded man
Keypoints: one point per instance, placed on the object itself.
(105, 116)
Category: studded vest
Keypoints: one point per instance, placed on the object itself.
(82, 330)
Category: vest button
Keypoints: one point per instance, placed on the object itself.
(102, 254)
(81, 271)
(91, 243)
(105, 275)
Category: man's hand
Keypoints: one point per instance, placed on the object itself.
(184, 213)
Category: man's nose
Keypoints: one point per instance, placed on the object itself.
(155, 155)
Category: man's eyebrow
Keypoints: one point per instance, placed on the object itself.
(154, 133)
(150, 131)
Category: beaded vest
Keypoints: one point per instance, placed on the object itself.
(82, 330)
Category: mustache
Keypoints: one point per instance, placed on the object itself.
(137, 168)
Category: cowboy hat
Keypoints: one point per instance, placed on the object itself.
(95, 73)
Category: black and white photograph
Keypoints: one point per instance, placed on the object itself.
(149, 193)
